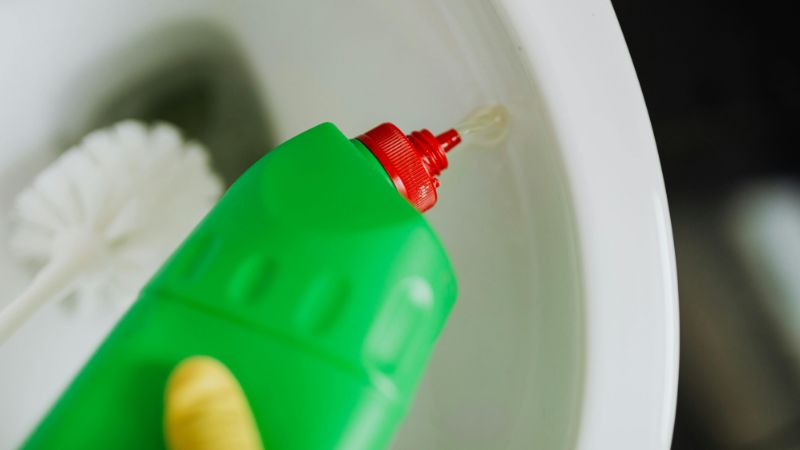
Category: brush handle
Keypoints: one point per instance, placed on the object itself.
(52, 282)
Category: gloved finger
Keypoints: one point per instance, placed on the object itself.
(205, 408)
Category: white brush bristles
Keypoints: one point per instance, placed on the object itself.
(102, 218)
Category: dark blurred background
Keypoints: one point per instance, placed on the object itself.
(722, 84)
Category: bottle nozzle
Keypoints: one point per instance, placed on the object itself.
(414, 161)
(449, 139)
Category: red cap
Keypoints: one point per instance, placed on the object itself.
(413, 161)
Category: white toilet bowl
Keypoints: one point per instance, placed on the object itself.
(565, 334)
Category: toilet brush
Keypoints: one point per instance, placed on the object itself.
(104, 216)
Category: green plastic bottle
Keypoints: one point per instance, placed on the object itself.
(313, 279)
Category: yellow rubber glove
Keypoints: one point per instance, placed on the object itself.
(205, 408)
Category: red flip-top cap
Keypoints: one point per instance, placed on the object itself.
(413, 161)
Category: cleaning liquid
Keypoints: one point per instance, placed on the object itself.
(317, 285)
